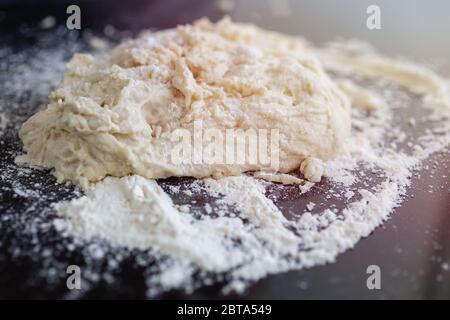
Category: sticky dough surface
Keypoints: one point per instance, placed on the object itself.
(114, 114)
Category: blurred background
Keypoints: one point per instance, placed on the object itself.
(417, 29)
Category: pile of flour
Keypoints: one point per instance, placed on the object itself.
(239, 235)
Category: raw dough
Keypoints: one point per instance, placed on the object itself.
(282, 178)
(114, 114)
(312, 169)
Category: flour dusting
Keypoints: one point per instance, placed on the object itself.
(189, 233)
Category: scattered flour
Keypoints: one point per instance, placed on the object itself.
(3, 121)
(48, 22)
(240, 235)
(141, 215)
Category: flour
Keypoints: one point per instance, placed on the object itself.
(48, 22)
(3, 122)
(142, 216)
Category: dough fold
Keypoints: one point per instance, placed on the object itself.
(115, 114)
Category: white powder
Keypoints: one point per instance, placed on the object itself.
(3, 121)
(310, 206)
(141, 215)
(48, 22)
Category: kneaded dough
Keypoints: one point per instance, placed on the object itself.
(114, 114)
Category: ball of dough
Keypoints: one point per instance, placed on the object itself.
(115, 114)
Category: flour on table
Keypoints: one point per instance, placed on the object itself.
(141, 215)
(241, 235)
(3, 121)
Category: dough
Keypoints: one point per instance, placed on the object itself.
(282, 178)
(312, 169)
(115, 114)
